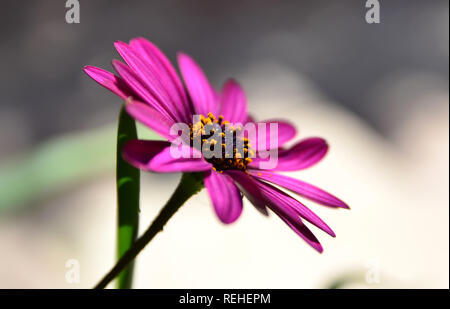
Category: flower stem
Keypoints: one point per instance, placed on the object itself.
(127, 183)
(190, 184)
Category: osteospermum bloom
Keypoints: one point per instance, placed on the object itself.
(156, 97)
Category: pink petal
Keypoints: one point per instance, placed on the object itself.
(289, 206)
(155, 58)
(250, 118)
(286, 132)
(300, 156)
(200, 90)
(135, 83)
(165, 162)
(140, 152)
(234, 103)
(281, 205)
(150, 76)
(150, 117)
(109, 81)
(155, 156)
(300, 187)
(303, 231)
(278, 200)
(251, 192)
(225, 196)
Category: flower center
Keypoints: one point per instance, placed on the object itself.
(222, 145)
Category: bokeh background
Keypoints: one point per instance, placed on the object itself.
(377, 92)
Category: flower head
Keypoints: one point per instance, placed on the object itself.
(242, 165)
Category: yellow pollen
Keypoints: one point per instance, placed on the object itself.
(230, 158)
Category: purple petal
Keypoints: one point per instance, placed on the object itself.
(225, 196)
(165, 162)
(290, 207)
(234, 103)
(284, 134)
(150, 117)
(150, 76)
(304, 232)
(200, 90)
(140, 152)
(109, 81)
(251, 192)
(300, 187)
(156, 59)
(250, 118)
(135, 83)
(155, 156)
(281, 204)
(300, 156)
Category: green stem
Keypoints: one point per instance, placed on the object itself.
(189, 185)
(128, 186)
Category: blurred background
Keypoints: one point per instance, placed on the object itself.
(377, 92)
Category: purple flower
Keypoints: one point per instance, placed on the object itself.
(157, 98)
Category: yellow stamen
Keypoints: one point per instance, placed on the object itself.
(229, 160)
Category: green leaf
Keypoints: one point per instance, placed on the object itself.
(127, 182)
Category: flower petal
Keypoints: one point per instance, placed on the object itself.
(156, 59)
(166, 162)
(279, 201)
(225, 196)
(288, 214)
(200, 90)
(109, 81)
(150, 117)
(284, 133)
(300, 156)
(251, 192)
(150, 76)
(135, 83)
(300, 187)
(304, 232)
(140, 152)
(233, 103)
(156, 156)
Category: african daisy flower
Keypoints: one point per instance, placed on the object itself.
(157, 98)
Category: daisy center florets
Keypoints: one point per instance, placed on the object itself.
(222, 144)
